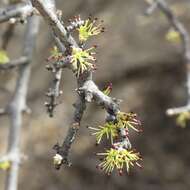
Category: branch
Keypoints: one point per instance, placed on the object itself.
(179, 27)
(176, 111)
(64, 149)
(92, 92)
(21, 10)
(48, 11)
(18, 103)
(10, 157)
(56, 68)
(14, 63)
(87, 89)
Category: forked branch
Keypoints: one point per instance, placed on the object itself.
(180, 28)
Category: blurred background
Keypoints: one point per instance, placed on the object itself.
(147, 73)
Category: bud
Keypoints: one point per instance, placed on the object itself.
(57, 160)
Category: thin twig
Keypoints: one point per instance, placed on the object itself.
(18, 104)
(54, 92)
(176, 111)
(14, 63)
(180, 28)
(48, 11)
(20, 10)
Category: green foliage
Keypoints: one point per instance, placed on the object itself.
(3, 57)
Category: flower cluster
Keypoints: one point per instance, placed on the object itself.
(112, 129)
(120, 155)
(118, 159)
(88, 29)
(127, 121)
(81, 60)
(108, 129)
(85, 28)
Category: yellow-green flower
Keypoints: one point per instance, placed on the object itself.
(128, 120)
(111, 129)
(108, 129)
(89, 29)
(119, 159)
(81, 60)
